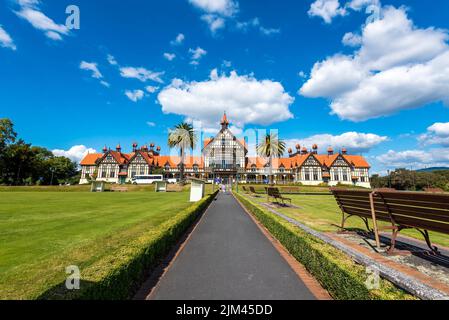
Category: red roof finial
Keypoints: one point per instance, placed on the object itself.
(224, 120)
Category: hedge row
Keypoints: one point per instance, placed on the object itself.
(119, 276)
(337, 273)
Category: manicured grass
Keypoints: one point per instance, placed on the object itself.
(41, 233)
(322, 213)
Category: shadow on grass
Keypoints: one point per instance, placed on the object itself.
(60, 291)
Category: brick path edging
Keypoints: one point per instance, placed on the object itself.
(402, 280)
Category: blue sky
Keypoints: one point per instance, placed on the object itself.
(380, 92)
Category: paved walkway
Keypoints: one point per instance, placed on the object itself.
(228, 257)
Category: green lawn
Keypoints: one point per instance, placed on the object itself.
(322, 213)
(41, 233)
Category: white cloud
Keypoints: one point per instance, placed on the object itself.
(93, 67)
(255, 23)
(225, 8)
(151, 89)
(352, 40)
(326, 9)
(214, 22)
(437, 134)
(111, 60)
(355, 142)
(30, 12)
(104, 83)
(398, 66)
(151, 124)
(5, 40)
(178, 40)
(75, 153)
(245, 99)
(134, 95)
(141, 74)
(358, 5)
(302, 74)
(197, 54)
(415, 158)
(269, 31)
(169, 56)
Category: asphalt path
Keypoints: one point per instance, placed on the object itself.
(228, 257)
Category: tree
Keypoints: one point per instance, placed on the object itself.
(271, 147)
(7, 136)
(182, 137)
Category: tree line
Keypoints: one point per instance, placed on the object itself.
(403, 179)
(21, 163)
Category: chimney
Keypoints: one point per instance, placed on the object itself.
(105, 149)
(344, 151)
(134, 146)
(315, 149)
(330, 151)
(118, 148)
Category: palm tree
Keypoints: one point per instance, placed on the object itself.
(182, 137)
(271, 148)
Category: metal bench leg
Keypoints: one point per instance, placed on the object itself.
(433, 248)
(393, 240)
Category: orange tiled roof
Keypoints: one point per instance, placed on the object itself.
(357, 161)
(90, 159)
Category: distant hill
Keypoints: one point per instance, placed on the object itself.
(433, 169)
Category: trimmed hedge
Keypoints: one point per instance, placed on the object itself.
(119, 276)
(337, 273)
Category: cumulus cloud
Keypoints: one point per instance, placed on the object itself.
(225, 8)
(398, 66)
(169, 56)
(91, 66)
(134, 95)
(30, 11)
(112, 60)
(214, 22)
(141, 74)
(354, 142)
(215, 12)
(417, 159)
(326, 9)
(5, 40)
(95, 73)
(197, 54)
(245, 99)
(178, 40)
(151, 89)
(352, 40)
(75, 153)
(437, 134)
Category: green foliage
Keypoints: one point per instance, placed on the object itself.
(24, 164)
(183, 137)
(403, 179)
(121, 274)
(337, 273)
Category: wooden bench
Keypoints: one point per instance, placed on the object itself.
(119, 189)
(253, 191)
(403, 210)
(276, 195)
(415, 210)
